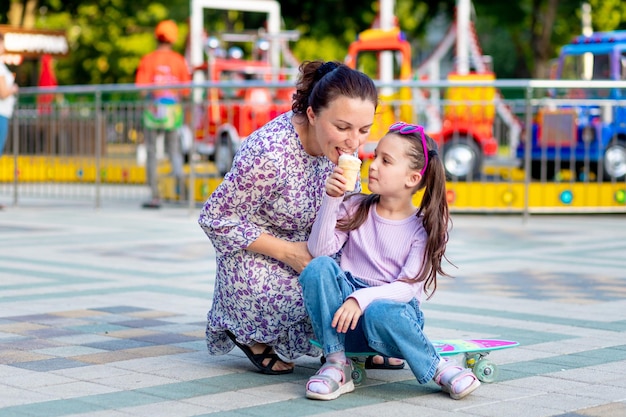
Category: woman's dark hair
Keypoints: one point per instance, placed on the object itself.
(320, 83)
(433, 208)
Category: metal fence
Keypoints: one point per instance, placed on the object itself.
(538, 146)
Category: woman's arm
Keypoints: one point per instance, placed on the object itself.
(228, 216)
(294, 254)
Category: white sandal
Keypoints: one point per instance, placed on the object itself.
(336, 388)
(451, 387)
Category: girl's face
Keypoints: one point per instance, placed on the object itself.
(390, 172)
(341, 127)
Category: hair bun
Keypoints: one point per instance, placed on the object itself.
(324, 69)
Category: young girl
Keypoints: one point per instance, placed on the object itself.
(391, 253)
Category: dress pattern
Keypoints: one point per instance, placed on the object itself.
(274, 187)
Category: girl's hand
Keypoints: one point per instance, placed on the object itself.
(347, 316)
(336, 183)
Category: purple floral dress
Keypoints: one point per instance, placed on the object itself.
(274, 187)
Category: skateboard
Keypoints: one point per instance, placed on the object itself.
(473, 351)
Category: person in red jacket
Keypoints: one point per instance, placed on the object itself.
(164, 114)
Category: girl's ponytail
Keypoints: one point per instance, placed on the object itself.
(436, 219)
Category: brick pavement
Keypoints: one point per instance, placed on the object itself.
(102, 314)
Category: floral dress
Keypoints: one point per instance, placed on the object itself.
(274, 187)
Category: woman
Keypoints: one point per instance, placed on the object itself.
(260, 216)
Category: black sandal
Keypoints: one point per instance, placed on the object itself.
(370, 364)
(258, 358)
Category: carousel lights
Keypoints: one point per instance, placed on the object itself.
(566, 197)
(450, 196)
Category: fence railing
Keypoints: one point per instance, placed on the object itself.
(519, 146)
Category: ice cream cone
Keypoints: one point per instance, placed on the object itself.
(351, 166)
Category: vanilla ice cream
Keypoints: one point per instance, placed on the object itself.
(351, 166)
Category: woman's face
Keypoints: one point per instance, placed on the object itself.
(341, 127)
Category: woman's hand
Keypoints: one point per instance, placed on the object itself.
(299, 257)
(347, 316)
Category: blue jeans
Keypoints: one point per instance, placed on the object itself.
(391, 328)
(4, 131)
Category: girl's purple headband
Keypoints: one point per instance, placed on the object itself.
(406, 129)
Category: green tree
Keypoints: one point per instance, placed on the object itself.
(108, 37)
(608, 14)
(524, 36)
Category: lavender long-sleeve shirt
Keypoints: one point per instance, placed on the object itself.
(380, 252)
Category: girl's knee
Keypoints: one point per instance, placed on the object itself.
(380, 308)
(314, 269)
(382, 312)
(379, 312)
(322, 262)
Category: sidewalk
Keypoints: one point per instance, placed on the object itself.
(102, 313)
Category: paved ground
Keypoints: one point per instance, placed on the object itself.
(102, 314)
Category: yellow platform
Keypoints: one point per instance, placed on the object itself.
(70, 169)
(506, 195)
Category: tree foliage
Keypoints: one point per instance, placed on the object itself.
(108, 37)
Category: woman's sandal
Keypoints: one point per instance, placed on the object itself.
(258, 358)
(370, 364)
(336, 388)
(451, 386)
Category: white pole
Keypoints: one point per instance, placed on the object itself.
(587, 31)
(196, 22)
(462, 36)
(271, 7)
(586, 19)
(386, 57)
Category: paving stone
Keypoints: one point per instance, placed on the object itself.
(98, 325)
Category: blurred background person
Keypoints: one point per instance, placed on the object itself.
(8, 90)
(165, 112)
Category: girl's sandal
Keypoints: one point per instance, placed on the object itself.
(451, 387)
(336, 388)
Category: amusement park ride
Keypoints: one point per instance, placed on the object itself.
(229, 114)
(583, 130)
(464, 131)
(580, 135)
(584, 137)
(464, 127)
